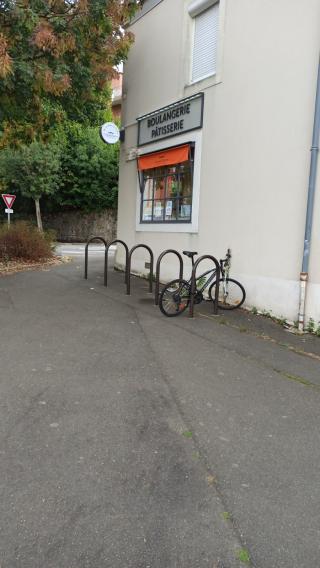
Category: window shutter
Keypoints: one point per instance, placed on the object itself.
(205, 43)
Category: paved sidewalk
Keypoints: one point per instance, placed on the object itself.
(77, 249)
(131, 440)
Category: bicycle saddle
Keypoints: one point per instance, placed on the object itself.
(189, 253)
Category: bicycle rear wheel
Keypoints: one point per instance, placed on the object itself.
(231, 294)
(174, 298)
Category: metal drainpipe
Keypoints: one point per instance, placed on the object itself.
(310, 205)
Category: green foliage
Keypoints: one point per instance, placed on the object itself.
(226, 515)
(22, 241)
(243, 555)
(267, 313)
(281, 320)
(187, 434)
(76, 171)
(311, 326)
(89, 170)
(57, 58)
(32, 170)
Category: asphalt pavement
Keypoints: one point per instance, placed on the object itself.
(131, 440)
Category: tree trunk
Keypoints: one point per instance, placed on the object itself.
(38, 213)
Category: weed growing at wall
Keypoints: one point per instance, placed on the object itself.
(313, 327)
(268, 314)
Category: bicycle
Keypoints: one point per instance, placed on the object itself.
(175, 296)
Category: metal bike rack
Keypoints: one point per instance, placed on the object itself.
(106, 259)
(129, 267)
(157, 286)
(193, 282)
(86, 255)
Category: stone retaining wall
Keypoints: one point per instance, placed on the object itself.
(76, 226)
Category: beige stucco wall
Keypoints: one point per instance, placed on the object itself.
(255, 142)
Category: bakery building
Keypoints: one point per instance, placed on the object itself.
(218, 112)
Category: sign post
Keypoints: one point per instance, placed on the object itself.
(9, 201)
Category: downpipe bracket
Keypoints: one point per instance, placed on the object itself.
(303, 287)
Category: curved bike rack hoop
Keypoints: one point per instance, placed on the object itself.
(157, 286)
(129, 267)
(106, 259)
(87, 251)
(193, 282)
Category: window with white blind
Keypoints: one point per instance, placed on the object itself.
(206, 23)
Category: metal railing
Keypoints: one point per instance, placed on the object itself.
(157, 285)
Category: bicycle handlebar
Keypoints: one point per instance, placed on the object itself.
(225, 260)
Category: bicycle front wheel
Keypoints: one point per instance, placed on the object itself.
(231, 294)
(174, 298)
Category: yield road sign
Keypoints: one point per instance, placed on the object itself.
(8, 199)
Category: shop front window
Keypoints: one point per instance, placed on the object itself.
(166, 190)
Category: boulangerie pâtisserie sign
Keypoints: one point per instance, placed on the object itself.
(175, 119)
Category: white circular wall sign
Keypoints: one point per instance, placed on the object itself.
(110, 133)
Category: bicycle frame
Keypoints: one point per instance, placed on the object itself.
(207, 281)
(224, 268)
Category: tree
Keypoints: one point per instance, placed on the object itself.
(33, 170)
(89, 170)
(56, 59)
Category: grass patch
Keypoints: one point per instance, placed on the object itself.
(187, 434)
(243, 556)
(226, 515)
